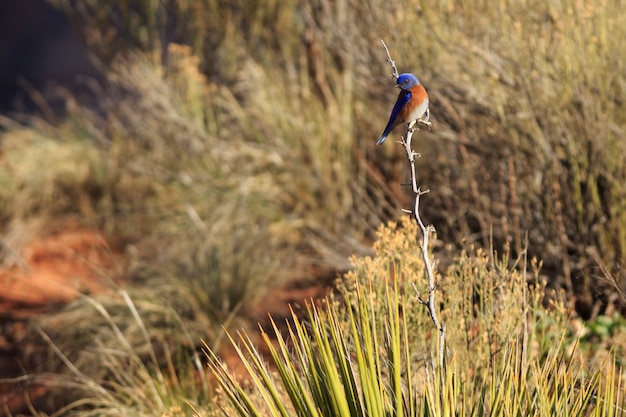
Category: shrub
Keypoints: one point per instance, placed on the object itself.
(360, 355)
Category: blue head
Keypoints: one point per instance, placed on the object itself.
(406, 81)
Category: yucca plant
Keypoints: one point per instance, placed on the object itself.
(329, 366)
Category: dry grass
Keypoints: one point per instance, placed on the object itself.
(532, 113)
(527, 100)
(127, 354)
(233, 163)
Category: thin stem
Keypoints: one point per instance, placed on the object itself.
(430, 302)
(412, 156)
(391, 61)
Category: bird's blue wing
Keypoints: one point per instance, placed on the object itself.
(403, 99)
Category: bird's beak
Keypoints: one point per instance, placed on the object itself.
(397, 86)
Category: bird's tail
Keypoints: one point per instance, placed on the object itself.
(386, 133)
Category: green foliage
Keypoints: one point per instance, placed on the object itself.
(604, 327)
(356, 356)
(328, 369)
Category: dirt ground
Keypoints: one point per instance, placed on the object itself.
(52, 271)
(46, 275)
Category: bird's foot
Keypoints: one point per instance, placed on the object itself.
(426, 119)
(426, 123)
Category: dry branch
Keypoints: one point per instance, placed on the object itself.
(412, 156)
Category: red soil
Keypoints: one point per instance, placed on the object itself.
(51, 272)
(54, 270)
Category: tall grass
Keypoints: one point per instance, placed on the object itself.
(531, 95)
(527, 99)
(124, 365)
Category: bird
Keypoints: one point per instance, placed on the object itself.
(411, 106)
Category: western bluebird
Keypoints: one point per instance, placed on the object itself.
(412, 104)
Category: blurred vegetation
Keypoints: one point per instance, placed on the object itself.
(118, 362)
(528, 100)
(233, 146)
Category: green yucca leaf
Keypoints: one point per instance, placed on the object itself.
(394, 340)
(263, 380)
(347, 375)
(411, 399)
(331, 383)
(235, 393)
(260, 376)
(288, 372)
(366, 359)
(309, 360)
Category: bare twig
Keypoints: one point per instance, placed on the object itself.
(412, 156)
(426, 230)
(391, 61)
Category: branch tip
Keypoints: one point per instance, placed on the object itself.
(395, 73)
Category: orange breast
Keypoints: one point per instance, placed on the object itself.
(417, 106)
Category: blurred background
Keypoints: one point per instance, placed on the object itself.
(216, 159)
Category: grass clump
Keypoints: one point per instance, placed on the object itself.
(128, 354)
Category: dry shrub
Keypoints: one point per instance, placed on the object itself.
(44, 175)
(486, 303)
